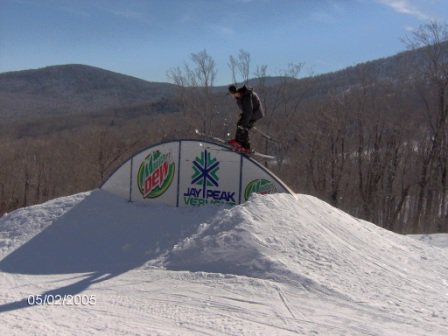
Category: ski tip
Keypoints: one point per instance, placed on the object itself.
(263, 156)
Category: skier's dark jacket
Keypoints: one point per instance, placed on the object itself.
(250, 106)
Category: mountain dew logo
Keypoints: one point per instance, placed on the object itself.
(259, 186)
(155, 174)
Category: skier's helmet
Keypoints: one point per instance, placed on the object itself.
(232, 89)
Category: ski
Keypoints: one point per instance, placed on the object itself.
(233, 148)
(263, 156)
(203, 135)
(265, 135)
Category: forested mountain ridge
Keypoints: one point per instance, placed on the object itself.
(74, 88)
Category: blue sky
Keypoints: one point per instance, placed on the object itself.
(145, 38)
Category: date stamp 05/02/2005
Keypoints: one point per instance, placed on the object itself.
(61, 300)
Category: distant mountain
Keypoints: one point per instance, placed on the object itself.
(74, 88)
(399, 69)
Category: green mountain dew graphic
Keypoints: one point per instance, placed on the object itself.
(259, 186)
(155, 175)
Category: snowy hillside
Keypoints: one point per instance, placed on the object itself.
(275, 265)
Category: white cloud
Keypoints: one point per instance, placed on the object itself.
(406, 7)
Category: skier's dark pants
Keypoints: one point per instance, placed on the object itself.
(242, 133)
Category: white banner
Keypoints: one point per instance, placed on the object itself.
(191, 173)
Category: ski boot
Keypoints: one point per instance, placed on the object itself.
(238, 147)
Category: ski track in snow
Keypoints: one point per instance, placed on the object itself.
(275, 265)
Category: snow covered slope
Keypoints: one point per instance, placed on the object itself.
(438, 239)
(275, 265)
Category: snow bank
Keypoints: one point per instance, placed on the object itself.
(21, 225)
(302, 241)
(303, 245)
(438, 239)
(313, 245)
(92, 232)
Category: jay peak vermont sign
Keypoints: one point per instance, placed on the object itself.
(204, 188)
(191, 173)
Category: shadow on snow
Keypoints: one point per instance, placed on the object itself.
(98, 236)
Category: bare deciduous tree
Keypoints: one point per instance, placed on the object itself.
(195, 82)
(240, 66)
(433, 90)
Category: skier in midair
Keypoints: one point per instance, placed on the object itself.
(251, 110)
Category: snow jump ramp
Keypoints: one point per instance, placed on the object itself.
(105, 233)
(191, 173)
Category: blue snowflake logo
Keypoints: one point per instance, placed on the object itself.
(205, 169)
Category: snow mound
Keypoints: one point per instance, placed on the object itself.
(300, 244)
(302, 241)
(91, 232)
(308, 243)
(23, 224)
(436, 239)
